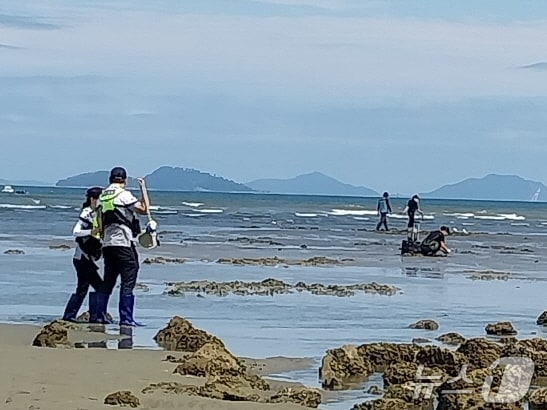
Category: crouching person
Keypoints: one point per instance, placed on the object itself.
(86, 255)
(435, 242)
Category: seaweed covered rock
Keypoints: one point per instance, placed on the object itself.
(382, 355)
(480, 352)
(405, 372)
(384, 404)
(425, 325)
(54, 334)
(342, 365)
(449, 361)
(181, 335)
(304, 397)
(500, 329)
(122, 399)
(411, 393)
(451, 339)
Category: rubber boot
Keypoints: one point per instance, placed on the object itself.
(102, 304)
(72, 307)
(92, 307)
(126, 308)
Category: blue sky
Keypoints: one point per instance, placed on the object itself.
(398, 95)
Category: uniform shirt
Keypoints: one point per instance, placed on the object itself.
(118, 234)
(83, 228)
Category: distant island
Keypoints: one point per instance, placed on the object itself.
(492, 187)
(164, 179)
(314, 183)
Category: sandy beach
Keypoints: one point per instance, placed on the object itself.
(44, 378)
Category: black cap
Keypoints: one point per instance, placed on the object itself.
(446, 229)
(94, 192)
(118, 174)
(386, 194)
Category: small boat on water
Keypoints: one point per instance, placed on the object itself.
(8, 190)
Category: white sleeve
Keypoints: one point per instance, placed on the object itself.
(78, 230)
(126, 199)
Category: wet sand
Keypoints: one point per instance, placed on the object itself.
(44, 378)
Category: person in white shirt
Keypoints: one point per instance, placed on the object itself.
(88, 251)
(118, 209)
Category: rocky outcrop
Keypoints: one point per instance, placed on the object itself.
(122, 399)
(274, 261)
(480, 353)
(270, 287)
(342, 365)
(500, 329)
(537, 399)
(14, 252)
(160, 260)
(384, 404)
(436, 357)
(382, 355)
(181, 335)
(542, 319)
(425, 325)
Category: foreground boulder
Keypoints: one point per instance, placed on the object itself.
(181, 335)
(342, 365)
(214, 361)
(54, 334)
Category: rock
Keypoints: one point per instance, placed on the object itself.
(342, 365)
(480, 352)
(420, 340)
(213, 360)
(169, 388)
(84, 317)
(383, 354)
(375, 390)
(54, 334)
(304, 397)
(407, 393)
(534, 349)
(14, 252)
(449, 361)
(542, 319)
(451, 339)
(230, 388)
(61, 247)
(160, 260)
(384, 404)
(425, 325)
(404, 372)
(500, 329)
(487, 275)
(122, 399)
(537, 400)
(181, 335)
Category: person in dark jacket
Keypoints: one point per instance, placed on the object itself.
(435, 242)
(412, 208)
(88, 251)
(383, 208)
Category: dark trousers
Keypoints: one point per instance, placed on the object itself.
(120, 261)
(88, 274)
(411, 216)
(383, 221)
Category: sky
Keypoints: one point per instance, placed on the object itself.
(394, 95)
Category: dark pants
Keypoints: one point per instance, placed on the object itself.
(88, 274)
(411, 216)
(430, 248)
(383, 221)
(122, 261)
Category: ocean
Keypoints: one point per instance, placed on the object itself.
(35, 285)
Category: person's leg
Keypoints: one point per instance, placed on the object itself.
(100, 298)
(76, 299)
(410, 227)
(379, 224)
(129, 272)
(384, 221)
